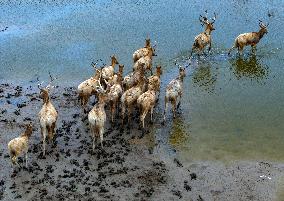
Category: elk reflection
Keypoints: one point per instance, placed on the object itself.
(205, 76)
(249, 67)
(178, 134)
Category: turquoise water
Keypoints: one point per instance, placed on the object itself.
(232, 107)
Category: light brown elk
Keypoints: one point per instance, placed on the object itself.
(97, 117)
(142, 52)
(114, 95)
(108, 71)
(204, 39)
(174, 92)
(129, 98)
(133, 78)
(86, 89)
(155, 80)
(20, 145)
(251, 38)
(146, 60)
(147, 100)
(47, 115)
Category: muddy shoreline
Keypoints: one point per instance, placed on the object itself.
(129, 167)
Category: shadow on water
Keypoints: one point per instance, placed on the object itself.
(250, 67)
(205, 76)
(178, 134)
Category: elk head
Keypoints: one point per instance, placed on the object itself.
(120, 68)
(205, 21)
(45, 90)
(147, 42)
(182, 72)
(113, 60)
(263, 27)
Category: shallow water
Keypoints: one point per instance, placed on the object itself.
(233, 108)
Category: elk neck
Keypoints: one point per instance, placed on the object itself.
(261, 33)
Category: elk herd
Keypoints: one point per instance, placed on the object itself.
(124, 94)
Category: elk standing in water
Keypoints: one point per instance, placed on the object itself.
(146, 60)
(20, 145)
(147, 100)
(97, 117)
(174, 92)
(47, 115)
(142, 52)
(203, 39)
(129, 98)
(134, 78)
(251, 38)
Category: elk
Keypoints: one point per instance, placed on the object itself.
(47, 115)
(204, 39)
(251, 38)
(133, 78)
(142, 52)
(173, 92)
(155, 80)
(146, 60)
(147, 101)
(129, 98)
(97, 116)
(19, 145)
(114, 94)
(86, 88)
(108, 71)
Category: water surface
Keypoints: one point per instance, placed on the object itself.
(232, 107)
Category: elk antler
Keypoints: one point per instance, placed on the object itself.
(51, 80)
(214, 18)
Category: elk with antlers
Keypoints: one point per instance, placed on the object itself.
(97, 116)
(142, 52)
(204, 39)
(19, 145)
(86, 88)
(251, 38)
(174, 92)
(47, 115)
(108, 71)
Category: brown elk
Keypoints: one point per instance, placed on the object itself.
(133, 78)
(251, 38)
(146, 60)
(174, 92)
(204, 39)
(114, 94)
(108, 71)
(97, 116)
(129, 98)
(47, 115)
(86, 88)
(142, 52)
(20, 145)
(155, 80)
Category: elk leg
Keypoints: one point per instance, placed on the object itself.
(43, 144)
(165, 110)
(152, 108)
(26, 157)
(112, 111)
(102, 136)
(253, 48)
(178, 105)
(174, 105)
